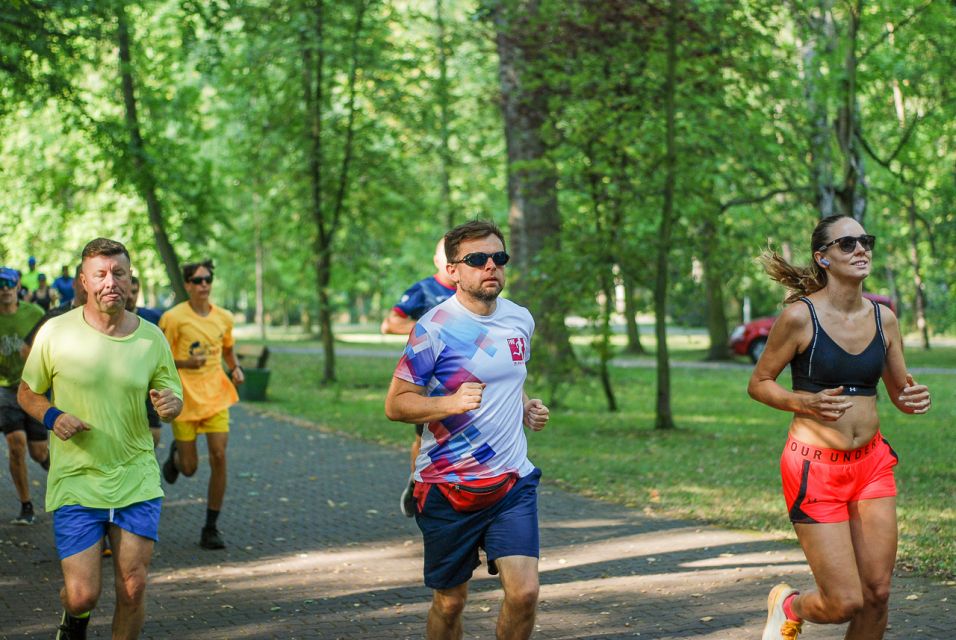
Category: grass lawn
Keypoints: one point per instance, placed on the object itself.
(720, 465)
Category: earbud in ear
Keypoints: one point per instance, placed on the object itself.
(824, 262)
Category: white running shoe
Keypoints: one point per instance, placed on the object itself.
(778, 626)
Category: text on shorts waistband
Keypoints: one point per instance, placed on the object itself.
(833, 456)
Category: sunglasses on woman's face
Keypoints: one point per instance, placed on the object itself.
(847, 244)
(201, 280)
(480, 259)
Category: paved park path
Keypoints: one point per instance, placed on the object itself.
(317, 549)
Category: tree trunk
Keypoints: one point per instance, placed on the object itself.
(817, 36)
(607, 286)
(665, 418)
(919, 301)
(145, 180)
(714, 292)
(260, 269)
(852, 193)
(533, 216)
(327, 218)
(634, 345)
(442, 96)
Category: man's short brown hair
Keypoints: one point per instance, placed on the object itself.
(472, 230)
(104, 247)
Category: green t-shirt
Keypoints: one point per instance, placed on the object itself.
(30, 280)
(13, 328)
(104, 381)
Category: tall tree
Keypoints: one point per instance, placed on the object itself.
(664, 415)
(533, 215)
(144, 177)
(327, 208)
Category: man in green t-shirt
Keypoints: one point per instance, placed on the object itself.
(22, 432)
(99, 361)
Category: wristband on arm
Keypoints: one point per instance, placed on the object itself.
(49, 418)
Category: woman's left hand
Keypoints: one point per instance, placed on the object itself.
(915, 396)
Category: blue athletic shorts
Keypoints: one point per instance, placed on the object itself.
(78, 528)
(452, 539)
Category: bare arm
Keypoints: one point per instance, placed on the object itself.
(791, 333)
(236, 372)
(407, 402)
(904, 392)
(36, 405)
(397, 324)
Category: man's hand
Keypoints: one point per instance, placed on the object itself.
(536, 415)
(67, 426)
(193, 362)
(238, 375)
(166, 403)
(467, 398)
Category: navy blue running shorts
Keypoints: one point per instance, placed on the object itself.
(452, 538)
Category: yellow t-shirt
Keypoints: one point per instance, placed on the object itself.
(104, 381)
(206, 391)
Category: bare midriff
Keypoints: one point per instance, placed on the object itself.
(853, 429)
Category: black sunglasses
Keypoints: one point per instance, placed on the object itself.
(201, 279)
(8, 284)
(480, 259)
(848, 243)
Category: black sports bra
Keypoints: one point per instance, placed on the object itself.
(826, 365)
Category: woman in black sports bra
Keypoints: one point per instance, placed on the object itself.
(836, 467)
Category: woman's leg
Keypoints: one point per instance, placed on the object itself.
(874, 531)
(838, 598)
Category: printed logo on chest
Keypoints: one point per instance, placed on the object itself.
(518, 348)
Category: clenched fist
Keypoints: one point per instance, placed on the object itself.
(467, 398)
(536, 415)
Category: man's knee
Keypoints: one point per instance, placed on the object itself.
(17, 444)
(80, 598)
(131, 589)
(39, 452)
(523, 596)
(449, 604)
(217, 457)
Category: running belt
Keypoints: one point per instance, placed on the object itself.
(826, 365)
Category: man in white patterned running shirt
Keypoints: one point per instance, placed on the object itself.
(462, 374)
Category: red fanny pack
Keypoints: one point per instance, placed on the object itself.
(474, 495)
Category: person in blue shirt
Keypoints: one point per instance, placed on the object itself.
(418, 300)
(63, 286)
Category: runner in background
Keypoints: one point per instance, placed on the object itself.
(414, 303)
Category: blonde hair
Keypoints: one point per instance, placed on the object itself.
(799, 281)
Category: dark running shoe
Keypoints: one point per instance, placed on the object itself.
(26, 517)
(407, 501)
(170, 472)
(72, 628)
(211, 539)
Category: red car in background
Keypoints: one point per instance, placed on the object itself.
(751, 338)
